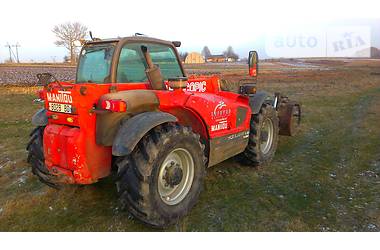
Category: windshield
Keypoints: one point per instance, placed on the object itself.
(95, 64)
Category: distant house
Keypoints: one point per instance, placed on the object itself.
(375, 52)
(216, 59)
(220, 59)
(231, 59)
(371, 52)
(194, 57)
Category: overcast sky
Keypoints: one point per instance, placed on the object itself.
(196, 23)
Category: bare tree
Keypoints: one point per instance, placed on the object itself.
(206, 53)
(229, 53)
(67, 34)
(183, 55)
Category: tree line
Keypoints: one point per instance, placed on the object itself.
(68, 33)
(228, 53)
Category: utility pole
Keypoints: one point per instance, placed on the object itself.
(10, 52)
(17, 45)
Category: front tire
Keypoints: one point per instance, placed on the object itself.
(160, 181)
(263, 137)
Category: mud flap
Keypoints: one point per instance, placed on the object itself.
(257, 100)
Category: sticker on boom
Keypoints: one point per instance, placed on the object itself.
(196, 86)
(59, 107)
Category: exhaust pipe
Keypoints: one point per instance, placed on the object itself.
(153, 72)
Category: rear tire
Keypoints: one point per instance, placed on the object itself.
(263, 137)
(153, 182)
(36, 157)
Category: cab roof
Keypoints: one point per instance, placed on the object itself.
(130, 39)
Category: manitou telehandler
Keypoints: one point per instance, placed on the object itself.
(134, 112)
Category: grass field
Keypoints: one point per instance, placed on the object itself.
(327, 178)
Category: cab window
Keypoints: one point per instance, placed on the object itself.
(132, 63)
(95, 64)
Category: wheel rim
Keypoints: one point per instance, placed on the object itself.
(173, 192)
(266, 136)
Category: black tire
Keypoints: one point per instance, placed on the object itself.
(253, 154)
(36, 158)
(138, 175)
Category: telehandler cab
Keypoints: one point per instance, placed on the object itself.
(134, 112)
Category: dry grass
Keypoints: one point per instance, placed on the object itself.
(19, 90)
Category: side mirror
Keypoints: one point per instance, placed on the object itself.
(253, 63)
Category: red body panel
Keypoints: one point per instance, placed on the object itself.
(69, 139)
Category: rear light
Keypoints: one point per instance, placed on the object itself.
(114, 105)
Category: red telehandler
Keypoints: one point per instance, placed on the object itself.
(134, 112)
